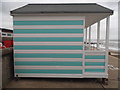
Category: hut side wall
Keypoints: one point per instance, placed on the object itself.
(53, 46)
(48, 46)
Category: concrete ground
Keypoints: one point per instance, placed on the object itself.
(0, 73)
(69, 83)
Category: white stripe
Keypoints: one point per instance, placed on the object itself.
(94, 73)
(48, 26)
(94, 60)
(48, 35)
(49, 59)
(94, 67)
(95, 76)
(44, 17)
(48, 43)
(48, 51)
(49, 75)
(86, 75)
(95, 53)
(50, 67)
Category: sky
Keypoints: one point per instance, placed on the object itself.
(7, 5)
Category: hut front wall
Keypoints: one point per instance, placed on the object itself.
(48, 46)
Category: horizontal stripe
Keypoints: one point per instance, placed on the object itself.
(59, 67)
(49, 59)
(94, 60)
(48, 43)
(49, 47)
(94, 67)
(47, 51)
(94, 57)
(94, 63)
(44, 17)
(48, 71)
(36, 31)
(49, 75)
(94, 70)
(48, 35)
(25, 55)
(95, 53)
(48, 27)
(98, 74)
(61, 22)
(49, 67)
(40, 63)
(49, 39)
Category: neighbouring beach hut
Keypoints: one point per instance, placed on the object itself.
(50, 40)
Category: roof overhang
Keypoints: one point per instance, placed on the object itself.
(92, 12)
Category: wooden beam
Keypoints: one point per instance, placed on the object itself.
(86, 37)
(107, 43)
(89, 36)
(98, 34)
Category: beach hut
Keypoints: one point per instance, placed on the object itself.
(50, 40)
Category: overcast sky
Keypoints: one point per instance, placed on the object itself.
(8, 5)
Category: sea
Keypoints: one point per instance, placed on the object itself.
(113, 45)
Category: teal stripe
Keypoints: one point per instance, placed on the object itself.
(48, 47)
(39, 55)
(52, 63)
(94, 63)
(48, 39)
(94, 70)
(61, 22)
(94, 57)
(48, 31)
(48, 71)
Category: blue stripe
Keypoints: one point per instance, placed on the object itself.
(94, 70)
(94, 63)
(49, 39)
(48, 31)
(48, 47)
(94, 57)
(48, 71)
(48, 63)
(37, 55)
(61, 22)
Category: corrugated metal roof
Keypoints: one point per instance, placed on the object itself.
(62, 8)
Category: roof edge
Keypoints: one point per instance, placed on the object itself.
(62, 4)
(12, 12)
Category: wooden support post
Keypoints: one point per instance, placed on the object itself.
(107, 42)
(86, 37)
(89, 37)
(98, 34)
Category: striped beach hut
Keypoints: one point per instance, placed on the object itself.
(51, 40)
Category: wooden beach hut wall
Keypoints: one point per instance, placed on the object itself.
(50, 40)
